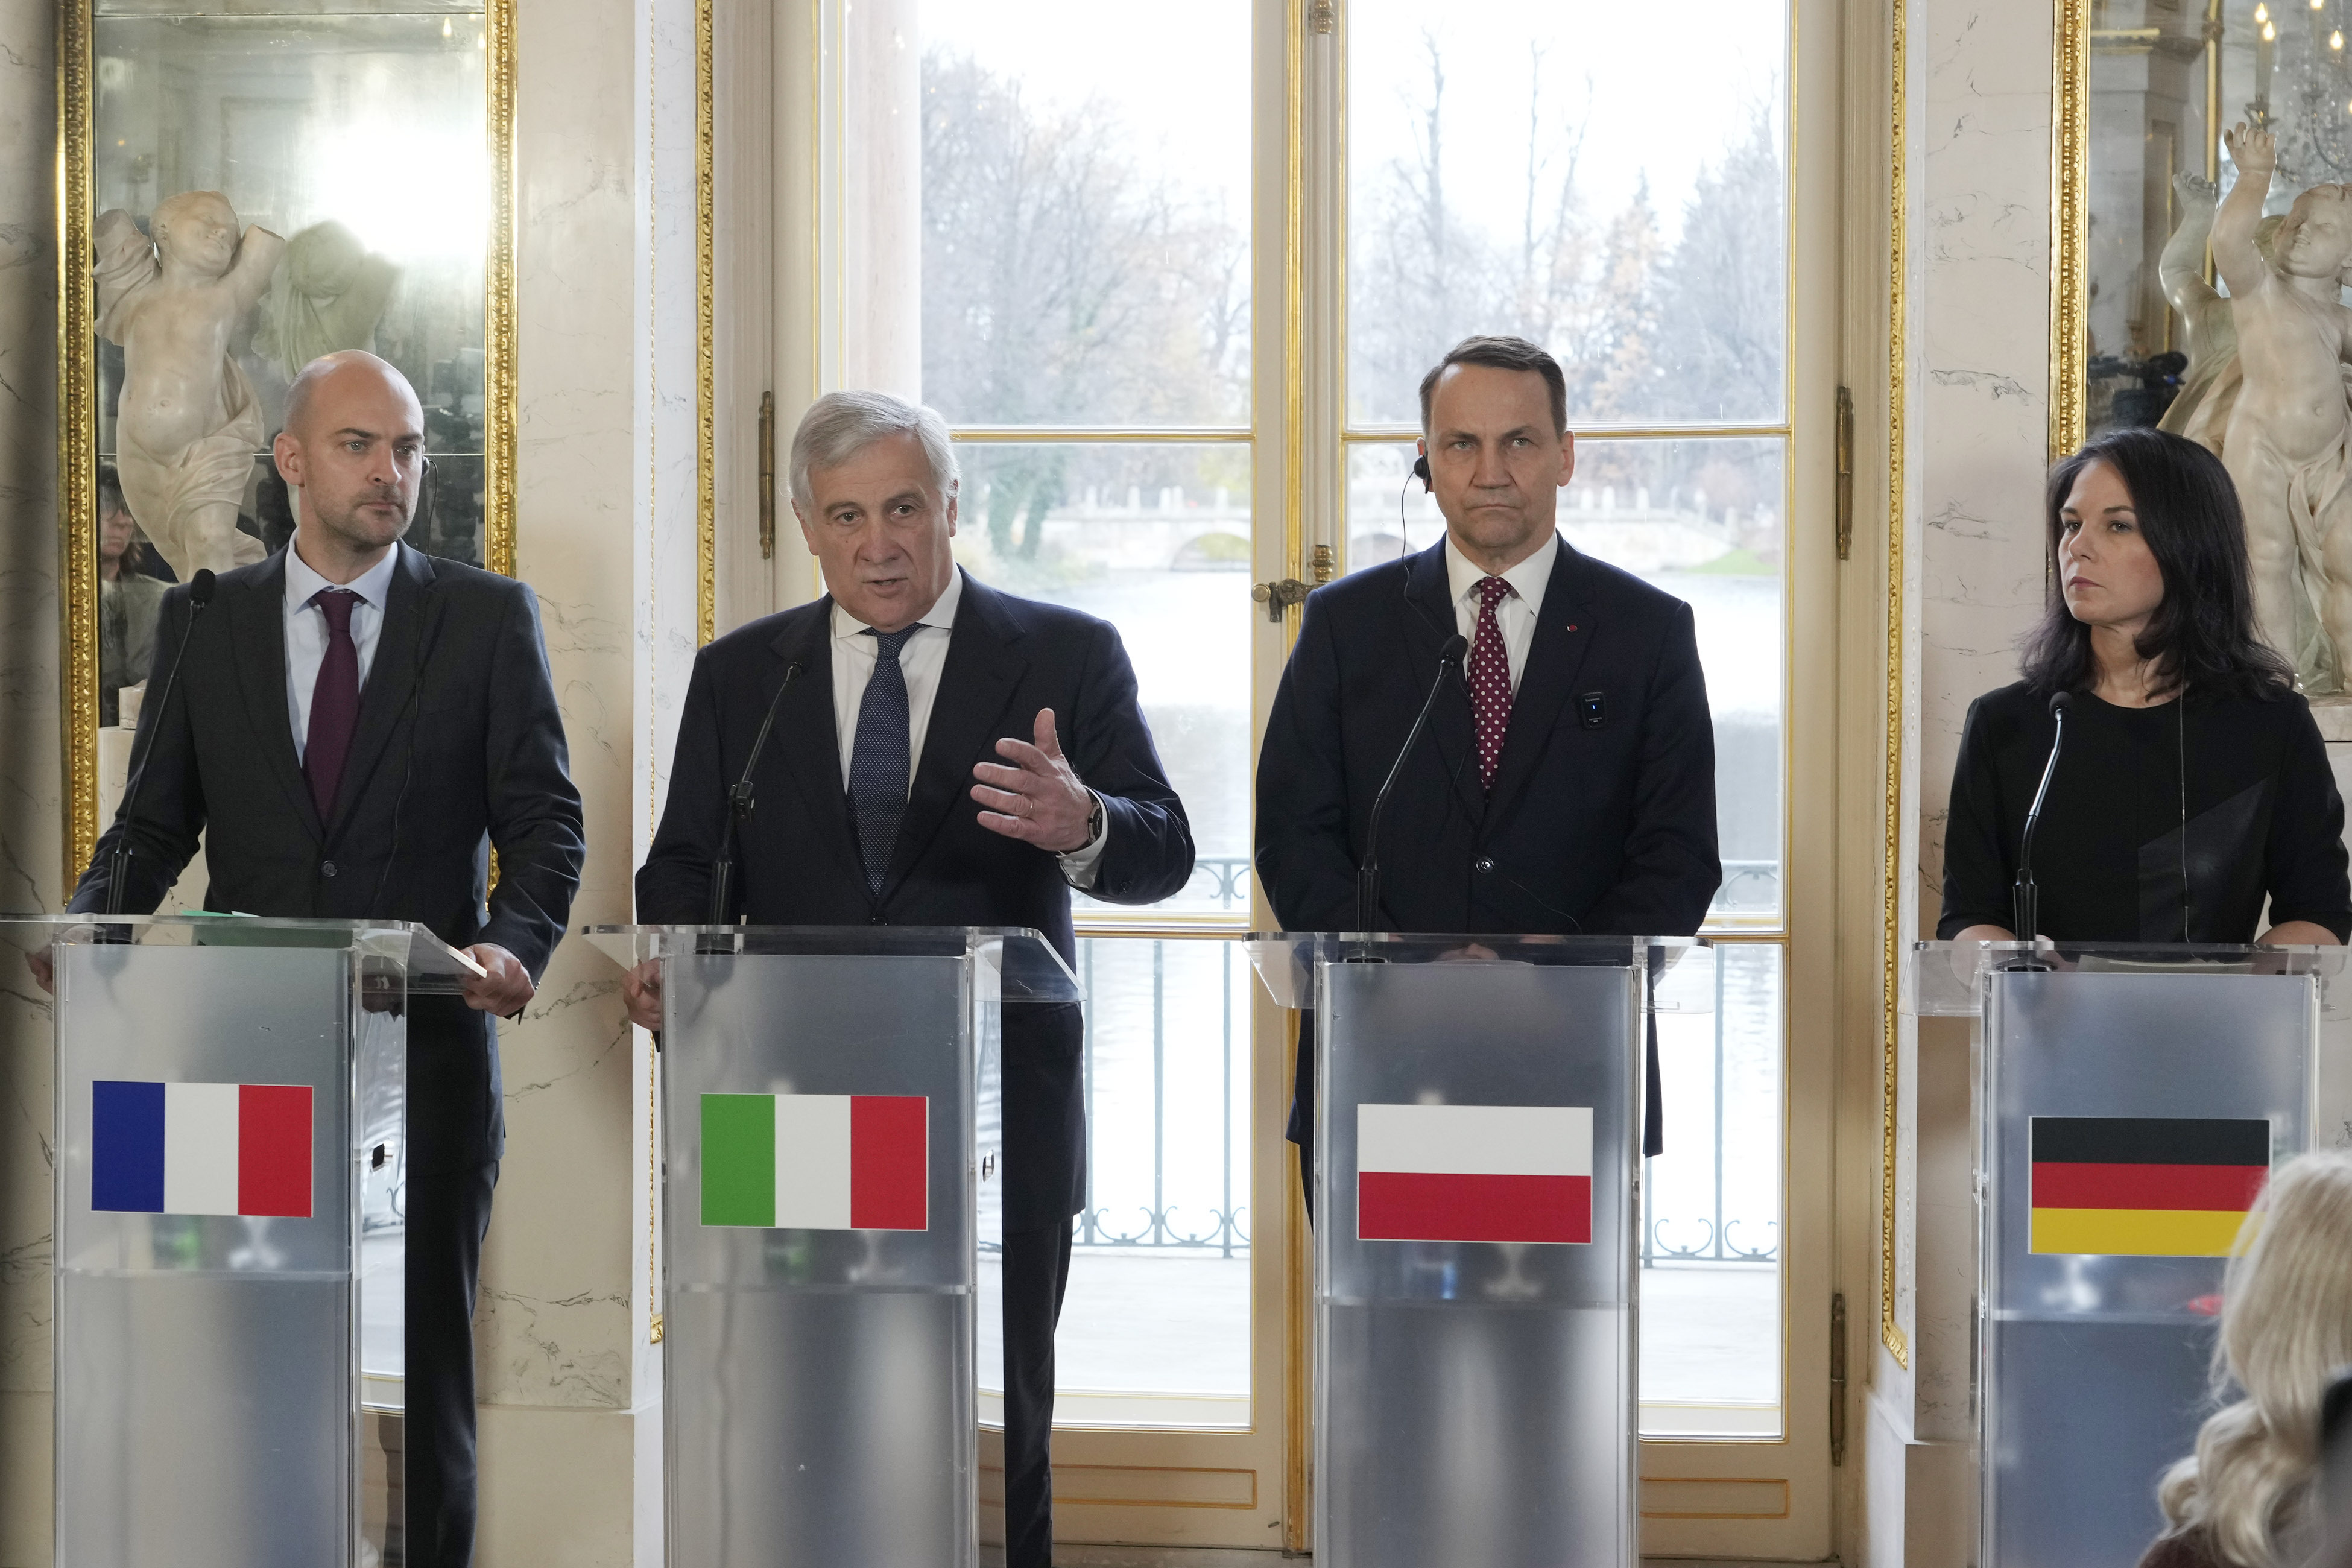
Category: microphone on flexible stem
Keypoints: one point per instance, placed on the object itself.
(118, 864)
(739, 804)
(1367, 875)
(2024, 898)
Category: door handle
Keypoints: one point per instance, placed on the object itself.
(1278, 596)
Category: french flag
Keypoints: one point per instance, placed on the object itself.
(200, 1148)
(1473, 1173)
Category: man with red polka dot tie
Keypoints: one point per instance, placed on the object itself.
(1568, 788)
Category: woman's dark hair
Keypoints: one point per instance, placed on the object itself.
(2202, 635)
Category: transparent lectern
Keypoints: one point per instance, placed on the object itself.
(2130, 1101)
(1477, 1163)
(829, 1123)
(230, 1138)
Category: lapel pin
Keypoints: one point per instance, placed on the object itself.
(1571, 626)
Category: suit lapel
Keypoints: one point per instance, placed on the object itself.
(1554, 655)
(1429, 620)
(258, 634)
(805, 737)
(983, 667)
(392, 678)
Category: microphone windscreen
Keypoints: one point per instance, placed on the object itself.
(1456, 646)
(2060, 702)
(201, 586)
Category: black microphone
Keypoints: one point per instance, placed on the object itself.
(739, 803)
(2023, 898)
(118, 864)
(1367, 875)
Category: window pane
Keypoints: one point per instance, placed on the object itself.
(1505, 173)
(1085, 222)
(1156, 1328)
(1155, 540)
(1711, 1215)
(1701, 520)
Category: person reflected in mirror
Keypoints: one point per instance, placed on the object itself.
(944, 755)
(1566, 783)
(2248, 1498)
(188, 422)
(2193, 786)
(127, 600)
(357, 726)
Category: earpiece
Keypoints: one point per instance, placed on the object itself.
(1421, 472)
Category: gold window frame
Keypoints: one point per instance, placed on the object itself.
(78, 383)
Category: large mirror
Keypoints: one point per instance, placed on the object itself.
(2152, 226)
(253, 188)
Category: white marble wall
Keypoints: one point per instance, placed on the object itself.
(606, 477)
(1977, 213)
(31, 848)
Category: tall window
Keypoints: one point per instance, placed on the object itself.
(1509, 169)
(1085, 329)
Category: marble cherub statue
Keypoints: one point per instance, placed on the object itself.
(329, 293)
(2208, 387)
(2288, 444)
(188, 425)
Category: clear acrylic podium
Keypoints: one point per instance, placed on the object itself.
(229, 1123)
(2131, 1101)
(829, 1123)
(1477, 1163)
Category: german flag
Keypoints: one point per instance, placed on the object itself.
(2145, 1186)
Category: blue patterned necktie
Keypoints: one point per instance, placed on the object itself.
(881, 759)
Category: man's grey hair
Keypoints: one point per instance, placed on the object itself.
(840, 425)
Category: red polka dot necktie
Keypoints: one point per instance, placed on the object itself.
(1490, 680)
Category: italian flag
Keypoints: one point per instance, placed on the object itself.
(200, 1148)
(1473, 1173)
(816, 1162)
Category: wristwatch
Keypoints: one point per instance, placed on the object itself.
(1095, 819)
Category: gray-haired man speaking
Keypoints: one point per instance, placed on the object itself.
(949, 756)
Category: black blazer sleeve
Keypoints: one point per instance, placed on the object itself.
(1305, 860)
(171, 797)
(1148, 845)
(535, 818)
(674, 884)
(1976, 874)
(1672, 865)
(2306, 870)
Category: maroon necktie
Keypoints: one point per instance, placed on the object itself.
(335, 700)
(1490, 680)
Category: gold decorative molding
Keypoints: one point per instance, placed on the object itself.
(705, 522)
(499, 422)
(2070, 221)
(1890, 1332)
(77, 437)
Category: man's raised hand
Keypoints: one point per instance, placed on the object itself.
(1039, 799)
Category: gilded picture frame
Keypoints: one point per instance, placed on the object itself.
(80, 377)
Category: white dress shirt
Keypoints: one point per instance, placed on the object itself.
(921, 660)
(1515, 617)
(306, 631)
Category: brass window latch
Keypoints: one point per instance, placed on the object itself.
(1278, 596)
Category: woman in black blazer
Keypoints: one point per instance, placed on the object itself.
(2193, 787)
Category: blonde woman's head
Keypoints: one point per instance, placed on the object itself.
(2286, 1326)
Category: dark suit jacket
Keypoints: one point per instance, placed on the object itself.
(1601, 819)
(459, 749)
(797, 861)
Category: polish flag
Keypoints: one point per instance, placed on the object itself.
(200, 1148)
(816, 1162)
(1473, 1173)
